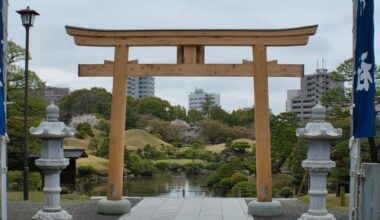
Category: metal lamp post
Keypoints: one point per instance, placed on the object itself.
(27, 17)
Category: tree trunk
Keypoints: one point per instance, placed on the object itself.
(337, 190)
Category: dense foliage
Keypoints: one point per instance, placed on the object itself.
(86, 101)
(283, 138)
(339, 101)
(15, 181)
(15, 111)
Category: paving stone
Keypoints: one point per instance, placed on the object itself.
(193, 209)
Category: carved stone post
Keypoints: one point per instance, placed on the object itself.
(318, 162)
(51, 131)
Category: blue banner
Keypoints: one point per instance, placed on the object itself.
(364, 116)
(2, 76)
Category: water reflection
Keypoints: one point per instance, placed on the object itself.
(169, 184)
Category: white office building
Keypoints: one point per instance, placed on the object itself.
(301, 101)
(140, 87)
(291, 94)
(197, 98)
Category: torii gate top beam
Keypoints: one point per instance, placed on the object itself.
(275, 37)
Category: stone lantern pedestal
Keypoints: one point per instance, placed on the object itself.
(51, 131)
(318, 162)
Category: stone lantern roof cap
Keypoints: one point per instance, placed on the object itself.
(318, 113)
(318, 128)
(52, 112)
(51, 127)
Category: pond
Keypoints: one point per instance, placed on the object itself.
(168, 184)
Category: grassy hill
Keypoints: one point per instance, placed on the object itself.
(136, 138)
(100, 164)
(73, 142)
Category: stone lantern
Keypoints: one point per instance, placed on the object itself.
(51, 131)
(318, 161)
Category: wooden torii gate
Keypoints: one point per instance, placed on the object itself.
(191, 62)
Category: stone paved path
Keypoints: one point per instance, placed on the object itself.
(81, 210)
(189, 209)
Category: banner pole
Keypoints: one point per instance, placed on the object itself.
(353, 143)
(4, 206)
(354, 169)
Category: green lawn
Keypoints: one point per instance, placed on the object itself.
(217, 148)
(38, 196)
(333, 202)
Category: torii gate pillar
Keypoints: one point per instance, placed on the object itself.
(115, 204)
(264, 206)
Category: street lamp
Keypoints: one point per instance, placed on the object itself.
(27, 18)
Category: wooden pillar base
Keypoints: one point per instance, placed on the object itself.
(113, 207)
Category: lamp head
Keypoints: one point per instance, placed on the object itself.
(27, 16)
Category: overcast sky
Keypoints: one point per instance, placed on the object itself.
(55, 56)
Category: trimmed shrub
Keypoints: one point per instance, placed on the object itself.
(225, 170)
(146, 168)
(80, 134)
(243, 189)
(139, 166)
(240, 146)
(35, 181)
(15, 180)
(251, 166)
(104, 148)
(64, 190)
(286, 192)
(175, 166)
(212, 166)
(212, 180)
(275, 193)
(193, 168)
(83, 129)
(151, 152)
(225, 184)
(161, 165)
(238, 177)
(86, 170)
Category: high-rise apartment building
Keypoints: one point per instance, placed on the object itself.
(198, 97)
(312, 88)
(51, 93)
(140, 87)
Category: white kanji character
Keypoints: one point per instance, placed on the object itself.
(364, 76)
(362, 8)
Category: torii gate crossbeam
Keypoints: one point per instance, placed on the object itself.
(190, 62)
